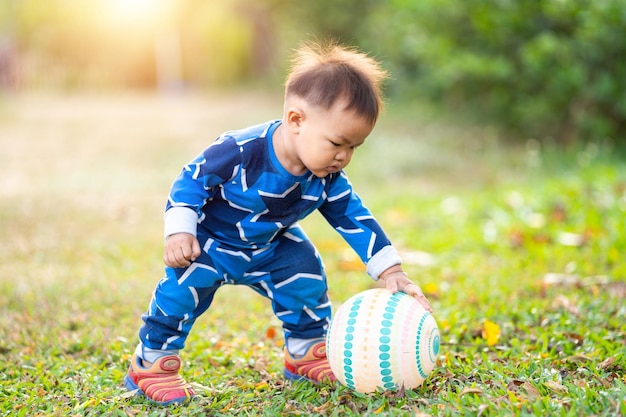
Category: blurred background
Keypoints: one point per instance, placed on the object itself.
(551, 70)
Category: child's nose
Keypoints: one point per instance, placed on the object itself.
(342, 155)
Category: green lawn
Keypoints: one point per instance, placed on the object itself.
(518, 247)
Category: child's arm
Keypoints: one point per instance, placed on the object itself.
(180, 250)
(189, 192)
(396, 279)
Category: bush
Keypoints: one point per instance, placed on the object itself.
(541, 68)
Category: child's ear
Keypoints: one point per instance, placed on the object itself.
(295, 117)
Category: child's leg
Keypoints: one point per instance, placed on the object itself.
(178, 300)
(297, 286)
(180, 297)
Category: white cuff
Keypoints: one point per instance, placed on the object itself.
(383, 260)
(181, 220)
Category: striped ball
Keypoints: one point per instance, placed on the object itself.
(378, 339)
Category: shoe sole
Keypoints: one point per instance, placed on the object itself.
(299, 378)
(131, 386)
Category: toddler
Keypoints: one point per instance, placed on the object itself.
(232, 218)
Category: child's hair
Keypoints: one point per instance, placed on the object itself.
(324, 73)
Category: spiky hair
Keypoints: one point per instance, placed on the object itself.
(323, 73)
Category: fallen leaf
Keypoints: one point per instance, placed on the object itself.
(263, 385)
(471, 390)
(514, 385)
(576, 338)
(577, 359)
(555, 386)
(270, 333)
(260, 365)
(491, 332)
(424, 402)
(606, 363)
(399, 393)
(530, 389)
(481, 409)
(323, 408)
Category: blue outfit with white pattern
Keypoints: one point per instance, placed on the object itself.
(243, 206)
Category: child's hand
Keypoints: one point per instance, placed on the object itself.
(180, 250)
(399, 281)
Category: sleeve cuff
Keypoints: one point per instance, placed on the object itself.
(181, 220)
(383, 260)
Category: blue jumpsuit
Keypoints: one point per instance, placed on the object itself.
(244, 208)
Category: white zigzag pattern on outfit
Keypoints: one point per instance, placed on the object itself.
(298, 276)
(310, 197)
(349, 231)
(236, 253)
(230, 203)
(235, 172)
(310, 313)
(293, 237)
(370, 247)
(268, 290)
(196, 172)
(190, 270)
(168, 342)
(283, 195)
(244, 180)
(338, 196)
(194, 294)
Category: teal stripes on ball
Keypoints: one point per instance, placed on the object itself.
(384, 347)
(418, 340)
(348, 346)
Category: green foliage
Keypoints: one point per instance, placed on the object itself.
(326, 19)
(527, 239)
(541, 69)
(545, 69)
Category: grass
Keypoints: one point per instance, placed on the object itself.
(518, 247)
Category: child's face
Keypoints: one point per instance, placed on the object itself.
(327, 138)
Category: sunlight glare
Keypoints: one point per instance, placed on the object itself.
(137, 12)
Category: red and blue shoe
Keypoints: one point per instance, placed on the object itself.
(312, 366)
(160, 382)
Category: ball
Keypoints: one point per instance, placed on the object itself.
(382, 340)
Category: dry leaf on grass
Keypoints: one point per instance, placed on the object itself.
(556, 387)
(531, 390)
(607, 363)
(471, 390)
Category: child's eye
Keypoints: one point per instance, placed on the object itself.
(334, 143)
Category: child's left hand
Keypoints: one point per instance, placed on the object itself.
(399, 281)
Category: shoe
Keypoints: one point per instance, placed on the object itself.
(160, 382)
(312, 366)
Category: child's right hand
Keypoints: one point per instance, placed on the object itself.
(180, 250)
